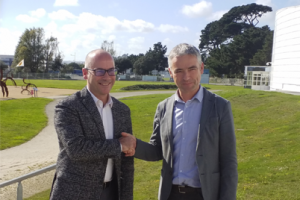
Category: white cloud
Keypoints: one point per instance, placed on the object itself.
(201, 9)
(264, 2)
(217, 15)
(173, 29)
(135, 45)
(38, 13)
(61, 15)
(33, 17)
(66, 3)
(26, 19)
(111, 38)
(107, 25)
(8, 41)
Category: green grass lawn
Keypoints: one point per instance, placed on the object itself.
(79, 84)
(21, 120)
(267, 128)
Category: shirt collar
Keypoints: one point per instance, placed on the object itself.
(99, 102)
(198, 95)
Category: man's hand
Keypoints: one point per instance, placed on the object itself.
(128, 143)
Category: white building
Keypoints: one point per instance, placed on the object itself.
(285, 70)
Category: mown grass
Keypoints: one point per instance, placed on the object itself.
(79, 84)
(21, 120)
(267, 128)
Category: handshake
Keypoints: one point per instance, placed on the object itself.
(128, 143)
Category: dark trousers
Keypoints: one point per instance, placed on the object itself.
(186, 193)
(111, 191)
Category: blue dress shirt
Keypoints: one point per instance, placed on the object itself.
(186, 120)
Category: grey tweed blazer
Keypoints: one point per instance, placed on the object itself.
(84, 150)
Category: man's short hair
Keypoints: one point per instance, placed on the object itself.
(184, 49)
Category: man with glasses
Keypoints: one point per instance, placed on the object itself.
(89, 123)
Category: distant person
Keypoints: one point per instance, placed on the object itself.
(193, 133)
(90, 163)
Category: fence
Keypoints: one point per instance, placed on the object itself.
(26, 176)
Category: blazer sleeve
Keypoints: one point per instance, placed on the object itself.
(151, 151)
(228, 157)
(72, 135)
(127, 168)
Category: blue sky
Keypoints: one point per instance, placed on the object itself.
(134, 26)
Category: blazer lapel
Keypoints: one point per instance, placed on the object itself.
(114, 111)
(169, 119)
(89, 103)
(207, 106)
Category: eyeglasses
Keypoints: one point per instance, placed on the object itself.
(101, 72)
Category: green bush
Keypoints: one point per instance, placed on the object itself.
(149, 87)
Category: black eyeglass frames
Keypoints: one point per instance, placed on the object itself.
(101, 72)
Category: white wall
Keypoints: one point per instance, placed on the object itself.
(285, 70)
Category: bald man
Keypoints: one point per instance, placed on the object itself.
(89, 123)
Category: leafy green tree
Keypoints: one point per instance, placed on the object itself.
(57, 63)
(38, 54)
(231, 59)
(227, 45)
(31, 48)
(143, 65)
(122, 64)
(264, 55)
(157, 57)
(133, 58)
(3, 65)
(74, 65)
(246, 14)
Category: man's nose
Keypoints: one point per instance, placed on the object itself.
(186, 75)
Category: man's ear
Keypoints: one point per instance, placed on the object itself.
(202, 68)
(85, 73)
(170, 71)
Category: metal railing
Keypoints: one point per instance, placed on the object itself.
(24, 177)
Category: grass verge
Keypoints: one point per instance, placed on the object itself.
(267, 128)
(79, 84)
(21, 120)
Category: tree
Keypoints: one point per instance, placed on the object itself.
(74, 65)
(157, 56)
(246, 14)
(234, 22)
(227, 45)
(3, 65)
(50, 51)
(232, 58)
(264, 55)
(30, 48)
(143, 65)
(109, 47)
(38, 54)
(122, 64)
(133, 58)
(57, 64)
